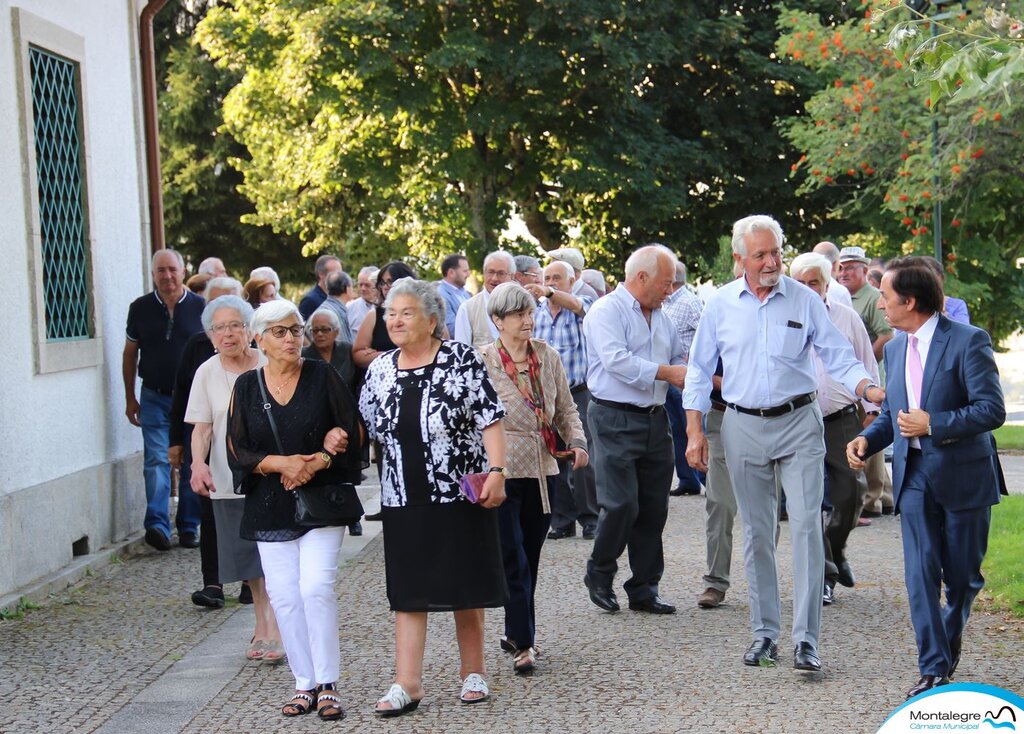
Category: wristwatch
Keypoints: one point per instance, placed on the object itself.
(499, 470)
(326, 458)
(551, 292)
(867, 387)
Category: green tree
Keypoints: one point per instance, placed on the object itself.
(869, 136)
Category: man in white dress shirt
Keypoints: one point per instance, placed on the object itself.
(472, 324)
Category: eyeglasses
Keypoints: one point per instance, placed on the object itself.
(278, 332)
(322, 330)
(495, 273)
(385, 284)
(233, 326)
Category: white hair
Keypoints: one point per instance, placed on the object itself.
(329, 314)
(812, 261)
(370, 272)
(567, 269)
(645, 260)
(245, 311)
(510, 298)
(167, 251)
(755, 223)
(426, 293)
(273, 311)
(209, 266)
(507, 257)
(828, 250)
(224, 283)
(266, 273)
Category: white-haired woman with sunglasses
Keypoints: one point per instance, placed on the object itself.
(319, 434)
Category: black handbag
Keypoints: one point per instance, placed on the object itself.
(329, 504)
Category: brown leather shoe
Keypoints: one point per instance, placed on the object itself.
(711, 598)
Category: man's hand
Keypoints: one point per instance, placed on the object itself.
(133, 411)
(697, 451)
(582, 458)
(537, 290)
(913, 424)
(875, 395)
(673, 374)
(336, 441)
(202, 480)
(493, 492)
(855, 452)
(174, 455)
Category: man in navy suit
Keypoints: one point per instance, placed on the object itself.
(943, 399)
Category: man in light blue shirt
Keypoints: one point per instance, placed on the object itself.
(766, 327)
(452, 288)
(633, 354)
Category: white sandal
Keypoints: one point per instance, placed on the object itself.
(399, 701)
(524, 661)
(474, 683)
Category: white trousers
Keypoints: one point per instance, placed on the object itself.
(300, 582)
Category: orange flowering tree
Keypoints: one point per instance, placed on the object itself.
(876, 135)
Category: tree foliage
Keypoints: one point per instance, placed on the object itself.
(880, 140)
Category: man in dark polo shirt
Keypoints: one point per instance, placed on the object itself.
(315, 296)
(159, 324)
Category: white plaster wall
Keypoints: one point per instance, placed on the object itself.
(56, 424)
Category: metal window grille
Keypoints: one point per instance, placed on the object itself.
(65, 255)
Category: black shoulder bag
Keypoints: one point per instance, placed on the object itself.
(330, 504)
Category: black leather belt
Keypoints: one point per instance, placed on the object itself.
(628, 407)
(578, 388)
(778, 410)
(720, 407)
(851, 408)
(159, 390)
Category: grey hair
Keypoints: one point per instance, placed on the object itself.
(166, 250)
(828, 250)
(509, 298)
(645, 260)
(225, 283)
(755, 223)
(338, 282)
(265, 272)
(567, 269)
(206, 266)
(812, 261)
(595, 279)
(273, 311)
(680, 274)
(507, 257)
(370, 271)
(330, 315)
(424, 292)
(524, 263)
(245, 311)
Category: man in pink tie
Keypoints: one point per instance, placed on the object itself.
(942, 401)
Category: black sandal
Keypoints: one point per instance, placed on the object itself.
(331, 709)
(300, 704)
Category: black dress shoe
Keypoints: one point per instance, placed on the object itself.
(209, 596)
(684, 491)
(955, 646)
(846, 575)
(157, 539)
(188, 540)
(245, 594)
(828, 595)
(761, 652)
(805, 657)
(603, 596)
(373, 516)
(657, 605)
(589, 532)
(355, 529)
(927, 683)
(559, 533)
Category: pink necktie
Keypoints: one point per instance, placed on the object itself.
(914, 366)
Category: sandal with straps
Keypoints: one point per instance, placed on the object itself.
(524, 661)
(474, 683)
(328, 705)
(300, 704)
(398, 700)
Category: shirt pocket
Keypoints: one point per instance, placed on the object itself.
(786, 342)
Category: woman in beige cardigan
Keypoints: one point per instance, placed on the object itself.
(530, 380)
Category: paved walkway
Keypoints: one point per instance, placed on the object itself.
(127, 652)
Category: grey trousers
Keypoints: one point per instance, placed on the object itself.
(846, 488)
(792, 445)
(576, 495)
(635, 463)
(719, 506)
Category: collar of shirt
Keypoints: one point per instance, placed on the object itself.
(184, 295)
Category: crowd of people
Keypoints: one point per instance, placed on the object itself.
(546, 401)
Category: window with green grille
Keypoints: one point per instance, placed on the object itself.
(59, 164)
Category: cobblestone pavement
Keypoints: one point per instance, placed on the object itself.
(126, 651)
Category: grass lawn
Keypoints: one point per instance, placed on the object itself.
(1010, 437)
(1004, 563)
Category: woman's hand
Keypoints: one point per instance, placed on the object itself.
(493, 492)
(336, 441)
(582, 459)
(298, 469)
(202, 480)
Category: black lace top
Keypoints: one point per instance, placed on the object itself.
(321, 402)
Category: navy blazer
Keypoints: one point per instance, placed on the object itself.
(960, 392)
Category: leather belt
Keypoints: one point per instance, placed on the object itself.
(778, 410)
(836, 415)
(578, 388)
(628, 407)
(159, 390)
(720, 407)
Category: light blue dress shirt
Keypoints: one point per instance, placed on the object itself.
(766, 347)
(624, 351)
(453, 297)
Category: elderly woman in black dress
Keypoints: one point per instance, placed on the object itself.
(433, 409)
(319, 432)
